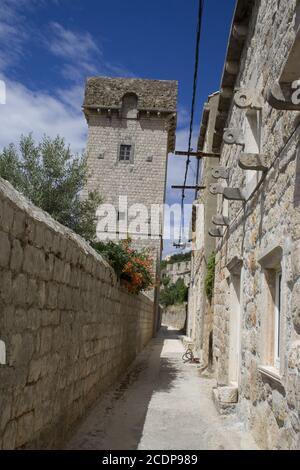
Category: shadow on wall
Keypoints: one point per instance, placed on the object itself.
(297, 182)
(117, 421)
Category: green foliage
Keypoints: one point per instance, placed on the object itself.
(210, 276)
(133, 267)
(52, 178)
(114, 253)
(165, 281)
(174, 294)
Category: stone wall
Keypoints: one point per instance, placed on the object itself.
(174, 316)
(68, 327)
(264, 234)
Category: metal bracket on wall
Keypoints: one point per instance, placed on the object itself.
(234, 136)
(220, 220)
(232, 194)
(220, 172)
(285, 96)
(215, 232)
(253, 161)
(248, 98)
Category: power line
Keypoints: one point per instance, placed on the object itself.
(195, 80)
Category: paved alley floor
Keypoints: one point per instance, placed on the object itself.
(160, 404)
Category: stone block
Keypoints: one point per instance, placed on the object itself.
(25, 426)
(228, 394)
(9, 436)
(6, 286)
(35, 370)
(34, 260)
(7, 216)
(46, 340)
(19, 289)
(4, 249)
(16, 256)
(18, 227)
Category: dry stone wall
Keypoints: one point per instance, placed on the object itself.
(68, 328)
(174, 316)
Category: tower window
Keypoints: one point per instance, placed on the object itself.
(125, 154)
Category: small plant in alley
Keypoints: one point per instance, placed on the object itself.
(133, 267)
(52, 178)
(210, 276)
(173, 294)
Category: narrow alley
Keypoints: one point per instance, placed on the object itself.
(160, 403)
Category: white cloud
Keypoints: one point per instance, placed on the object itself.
(81, 55)
(13, 33)
(40, 113)
(78, 49)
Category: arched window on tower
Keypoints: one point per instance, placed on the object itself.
(129, 106)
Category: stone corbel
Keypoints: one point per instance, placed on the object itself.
(234, 136)
(232, 67)
(253, 161)
(220, 172)
(220, 220)
(232, 194)
(285, 96)
(215, 232)
(248, 98)
(239, 31)
(235, 265)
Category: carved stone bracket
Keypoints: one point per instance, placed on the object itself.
(232, 194)
(220, 173)
(220, 220)
(215, 232)
(239, 31)
(253, 161)
(234, 136)
(248, 98)
(235, 265)
(285, 96)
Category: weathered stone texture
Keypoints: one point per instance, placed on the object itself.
(270, 218)
(152, 94)
(69, 328)
(174, 316)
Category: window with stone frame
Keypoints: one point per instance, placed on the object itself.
(272, 309)
(126, 153)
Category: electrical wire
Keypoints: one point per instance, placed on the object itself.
(195, 81)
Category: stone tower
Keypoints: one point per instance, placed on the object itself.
(131, 124)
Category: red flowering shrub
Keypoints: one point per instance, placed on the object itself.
(133, 267)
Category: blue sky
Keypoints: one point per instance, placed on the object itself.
(49, 47)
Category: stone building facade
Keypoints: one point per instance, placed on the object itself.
(180, 270)
(200, 312)
(256, 329)
(131, 130)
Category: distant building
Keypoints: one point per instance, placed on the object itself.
(175, 271)
(200, 311)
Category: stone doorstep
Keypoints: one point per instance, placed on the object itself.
(225, 399)
(187, 342)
